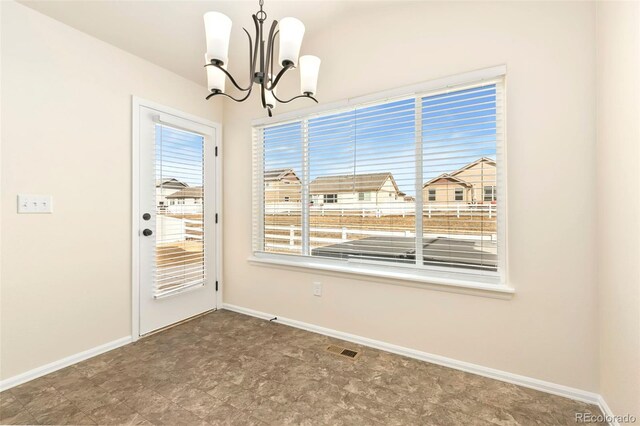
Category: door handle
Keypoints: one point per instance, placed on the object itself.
(147, 232)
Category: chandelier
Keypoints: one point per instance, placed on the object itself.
(263, 70)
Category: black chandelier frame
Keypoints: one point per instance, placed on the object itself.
(257, 51)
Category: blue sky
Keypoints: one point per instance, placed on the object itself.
(457, 128)
(179, 155)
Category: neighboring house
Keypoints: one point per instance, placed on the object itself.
(473, 183)
(165, 188)
(281, 186)
(367, 188)
(187, 200)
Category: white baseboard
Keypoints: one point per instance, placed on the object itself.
(516, 379)
(61, 363)
(604, 407)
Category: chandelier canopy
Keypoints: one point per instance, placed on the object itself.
(262, 68)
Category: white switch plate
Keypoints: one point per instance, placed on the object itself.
(317, 288)
(35, 203)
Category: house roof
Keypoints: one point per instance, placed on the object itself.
(194, 192)
(479, 160)
(452, 176)
(365, 182)
(278, 174)
(171, 183)
(448, 177)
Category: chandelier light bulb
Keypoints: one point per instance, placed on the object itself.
(291, 33)
(215, 78)
(269, 97)
(217, 27)
(309, 70)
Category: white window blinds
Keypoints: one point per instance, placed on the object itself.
(410, 181)
(180, 203)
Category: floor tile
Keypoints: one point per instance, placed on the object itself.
(230, 369)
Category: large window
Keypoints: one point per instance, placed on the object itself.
(367, 177)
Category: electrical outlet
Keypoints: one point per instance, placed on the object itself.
(317, 288)
(35, 203)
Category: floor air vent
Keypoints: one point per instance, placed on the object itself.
(347, 353)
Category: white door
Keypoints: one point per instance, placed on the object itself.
(176, 218)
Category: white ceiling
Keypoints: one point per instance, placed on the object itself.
(171, 33)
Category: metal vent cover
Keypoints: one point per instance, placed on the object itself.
(344, 352)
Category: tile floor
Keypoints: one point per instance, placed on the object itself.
(226, 368)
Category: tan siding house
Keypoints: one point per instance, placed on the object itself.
(369, 188)
(166, 187)
(282, 186)
(474, 183)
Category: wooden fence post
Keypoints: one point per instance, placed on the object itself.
(344, 233)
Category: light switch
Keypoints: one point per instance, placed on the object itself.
(317, 288)
(35, 203)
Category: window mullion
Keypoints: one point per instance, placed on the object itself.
(258, 187)
(419, 194)
(304, 210)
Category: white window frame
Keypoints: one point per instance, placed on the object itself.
(494, 193)
(330, 198)
(485, 283)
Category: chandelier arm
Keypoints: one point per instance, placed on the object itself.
(250, 55)
(286, 68)
(294, 98)
(255, 47)
(212, 64)
(269, 57)
(260, 39)
(273, 50)
(262, 95)
(218, 92)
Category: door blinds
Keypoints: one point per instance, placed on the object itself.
(180, 204)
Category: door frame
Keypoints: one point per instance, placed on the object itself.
(136, 104)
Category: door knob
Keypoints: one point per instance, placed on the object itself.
(147, 232)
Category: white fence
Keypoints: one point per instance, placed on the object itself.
(184, 209)
(388, 209)
(173, 229)
(344, 232)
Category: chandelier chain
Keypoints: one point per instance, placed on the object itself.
(261, 14)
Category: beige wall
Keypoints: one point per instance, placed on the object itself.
(618, 194)
(276, 191)
(446, 192)
(480, 175)
(66, 131)
(547, 330)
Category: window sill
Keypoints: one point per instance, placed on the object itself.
(389, 275)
